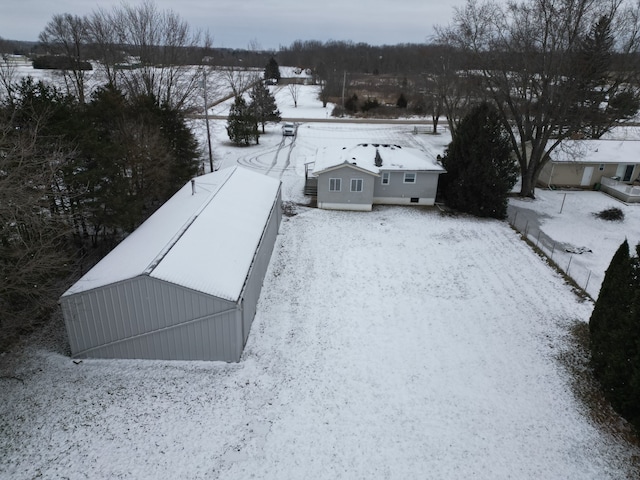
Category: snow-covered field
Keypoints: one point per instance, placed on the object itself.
(393, 344)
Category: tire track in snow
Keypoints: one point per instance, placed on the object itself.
(274, 163)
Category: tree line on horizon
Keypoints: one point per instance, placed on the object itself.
(554, 69)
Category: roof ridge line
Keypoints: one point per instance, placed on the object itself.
(165, 251)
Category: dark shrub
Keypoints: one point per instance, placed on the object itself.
(370, 104)
(613, 214)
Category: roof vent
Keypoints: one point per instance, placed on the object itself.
(378, 159)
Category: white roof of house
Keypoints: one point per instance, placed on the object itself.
(204, 241)
(597, 151)
(363, 155)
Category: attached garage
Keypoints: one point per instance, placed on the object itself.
(185, 284)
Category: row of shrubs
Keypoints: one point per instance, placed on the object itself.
(57, 62)
(372, 107)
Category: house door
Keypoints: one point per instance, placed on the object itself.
(628, 171)
(586, 177)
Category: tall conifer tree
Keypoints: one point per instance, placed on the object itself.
(480, 170)
(272, 70)
(615, 335)
(242, 126)
(263, 105)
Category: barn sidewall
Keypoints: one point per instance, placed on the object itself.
(255, 278)
(147, 318)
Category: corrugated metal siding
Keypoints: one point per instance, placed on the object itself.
(131, 309)
(255, 278)
(215, 337)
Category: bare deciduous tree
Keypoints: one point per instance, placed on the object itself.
(32, 236)
(294, 91)
(67, 35)
(524, 56)
(8, 78)
(450, 92)
(101, 29)
(160, 41)
(239, 80)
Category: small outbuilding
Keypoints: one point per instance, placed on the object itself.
(368, 174)
(185, 284)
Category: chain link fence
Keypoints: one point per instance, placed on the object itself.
(566, 257)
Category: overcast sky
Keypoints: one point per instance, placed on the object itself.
(269, 23)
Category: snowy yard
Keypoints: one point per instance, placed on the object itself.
(392, 344)
(568, 224)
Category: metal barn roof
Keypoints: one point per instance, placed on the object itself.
(204, 241)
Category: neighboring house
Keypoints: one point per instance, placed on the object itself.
(584, 163)
(185, 284)
(368, 174)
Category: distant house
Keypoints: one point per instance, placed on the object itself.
(368, 174)
(584, 163)
(185, 284)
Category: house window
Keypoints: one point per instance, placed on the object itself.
(386, 176)
(409, 177)
(356, 184)
(335, 184)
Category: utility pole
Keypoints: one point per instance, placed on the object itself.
(344, 82)
(206, 116)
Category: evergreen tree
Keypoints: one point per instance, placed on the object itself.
(351, 104)
(480, 170)
(161, 151)
(592, 69)
(182, 145)
(242, 126)
(402, 101)
(615, 335)
(263, 105)
(632, 406)
(272, 71)
(99, 192)
(132, 155)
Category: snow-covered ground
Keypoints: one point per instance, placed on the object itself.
(394, 344)
(568, 225)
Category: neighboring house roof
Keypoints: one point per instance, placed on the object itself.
(204, 241)
(376, 157)
(597, 151)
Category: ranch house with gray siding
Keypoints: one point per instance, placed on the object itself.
(370, 174)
